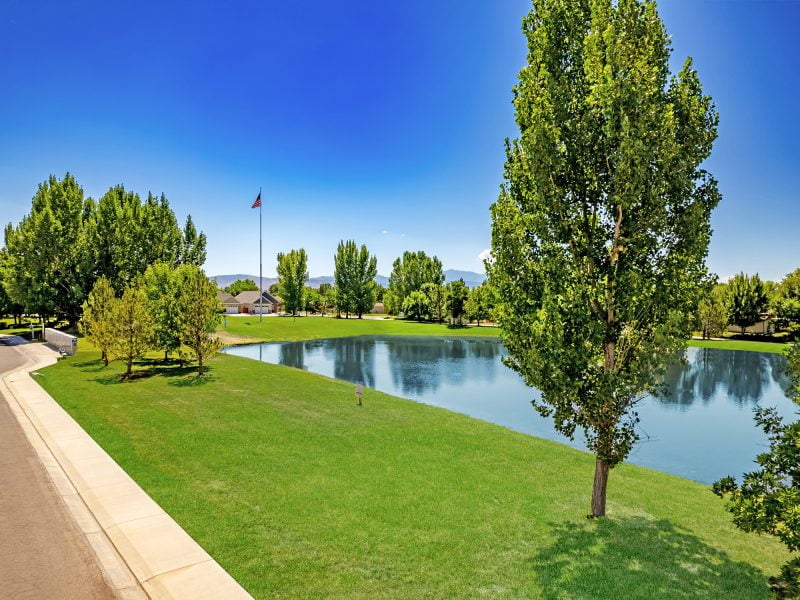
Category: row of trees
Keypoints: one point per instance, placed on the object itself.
(746, 299)
(54, 256)
(167, 308)
(416, 287)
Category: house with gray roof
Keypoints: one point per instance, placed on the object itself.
(249, 303)
(229, 303)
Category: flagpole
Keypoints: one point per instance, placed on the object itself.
(260, 255)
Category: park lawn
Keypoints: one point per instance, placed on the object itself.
(281, 329)
(249, 330)
(749, 345)
(300, 493)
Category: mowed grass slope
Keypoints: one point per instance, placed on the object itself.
(300, 493)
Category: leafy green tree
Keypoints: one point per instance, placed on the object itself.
(416, 306)
(391, 303)
(126, 235)
(292, 277)
(161, 284)
(132, 328)
(457, 295)
(193, 245)
(326, 299)
(354, 278)
(601, 229)
(409, 272)
(241, 285)
(748, 299)
(437, 296)
(198, 316)
(480, 303)
(42, 265)
(313, 300)
(273, 289)
(787, 303)
(712, 312)
(97, 313)
(768, 499)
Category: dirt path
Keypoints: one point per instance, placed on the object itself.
(42, 553)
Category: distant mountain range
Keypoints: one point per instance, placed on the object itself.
(471, 278)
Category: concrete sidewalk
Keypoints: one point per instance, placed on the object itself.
(142, 549)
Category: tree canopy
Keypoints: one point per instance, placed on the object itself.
(354, 276)
(787, 302)
(601, 229)
(410, 272)
(292, 278)
(242, 285)
(53, 257)
(747, 300)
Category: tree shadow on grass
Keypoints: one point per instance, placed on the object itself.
(179, 376)
(90, 366)
(640, 558)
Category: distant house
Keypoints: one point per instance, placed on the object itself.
(249, 303)
(378, 309)
(229, 303)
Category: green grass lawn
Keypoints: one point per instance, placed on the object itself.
(750, 345)
(249, 329)
(274, 329)
(300, 493)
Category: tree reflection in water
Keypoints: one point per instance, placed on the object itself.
(742, 376)
(420, 368)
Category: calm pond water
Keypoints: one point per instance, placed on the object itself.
(702, 429)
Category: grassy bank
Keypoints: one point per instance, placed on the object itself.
(278, 329)
(748, 345)
(298, 492)
(272, 329)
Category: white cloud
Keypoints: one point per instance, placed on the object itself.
(486, 254)
(384, 232)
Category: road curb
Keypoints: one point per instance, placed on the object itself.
(142, 551)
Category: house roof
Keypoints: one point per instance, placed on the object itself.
(226, 298)
(252, 298)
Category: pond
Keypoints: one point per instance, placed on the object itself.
(702, 429)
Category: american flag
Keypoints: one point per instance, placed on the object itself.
(257, 203)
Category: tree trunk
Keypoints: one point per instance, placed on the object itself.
(104, 356)
(129, 372)
(599, 489)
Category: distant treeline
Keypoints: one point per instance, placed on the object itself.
(416, 290)
(746, 300)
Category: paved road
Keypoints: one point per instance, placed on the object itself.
(42, 553)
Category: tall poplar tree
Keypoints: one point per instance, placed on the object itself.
(292, 277)
(354, 276)
(601, 229)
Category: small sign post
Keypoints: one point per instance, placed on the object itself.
(359, 393)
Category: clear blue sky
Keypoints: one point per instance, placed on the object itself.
(374, 120)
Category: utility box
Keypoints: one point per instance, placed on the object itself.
(64, 342)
